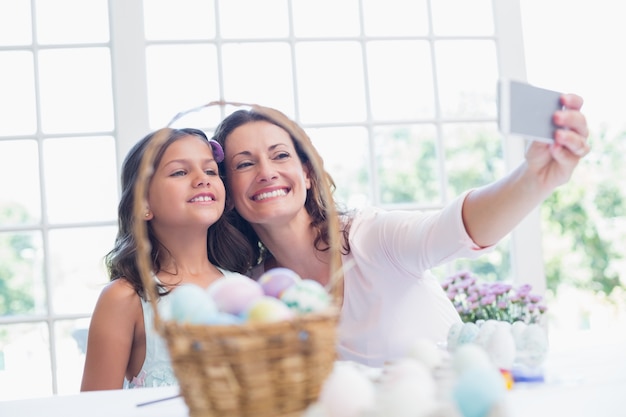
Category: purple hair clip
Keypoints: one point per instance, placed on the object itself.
(218, 152)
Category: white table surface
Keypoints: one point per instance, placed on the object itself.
(586, 381)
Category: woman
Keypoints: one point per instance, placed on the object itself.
(185, 201)
(389, 298)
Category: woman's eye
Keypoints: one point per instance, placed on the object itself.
(242, 165)
(282, 155)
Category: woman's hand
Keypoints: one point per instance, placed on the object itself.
(554, 163)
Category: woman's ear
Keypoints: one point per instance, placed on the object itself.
(148, 215)
(307, 175)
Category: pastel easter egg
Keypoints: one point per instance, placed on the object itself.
(234, 294)
(306, 296)
(277, 280)
(501, 347)
(534, 347)
(468, 333)
(268, 309)
(469, 356)
(486, 329)
(347, 393)
(426, 352)
(517, 330)
(478, 391)
(407, 389)
(189, 303)
(453, 336)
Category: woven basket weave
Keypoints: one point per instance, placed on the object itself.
(254, 369)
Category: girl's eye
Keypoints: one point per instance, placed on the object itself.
(210, 172)
(179, 173)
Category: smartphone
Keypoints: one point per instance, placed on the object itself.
(525, 110)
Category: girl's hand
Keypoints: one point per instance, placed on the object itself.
(554, 163)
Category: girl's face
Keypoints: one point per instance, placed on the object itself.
(186, 189)
(267, 181)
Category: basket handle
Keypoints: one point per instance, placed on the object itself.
(145, 173)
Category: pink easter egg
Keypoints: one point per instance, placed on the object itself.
(234, 294)
(277, 280)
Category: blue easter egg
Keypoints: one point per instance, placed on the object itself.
(477, 390)
(191, 304)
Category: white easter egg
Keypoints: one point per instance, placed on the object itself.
(468, 333)
(453, 336)
(407, 389)
(534, 345)
(501, 347)
(470, 356)
(347, 393)
(517, 330)
(485, 331)
(426, 352)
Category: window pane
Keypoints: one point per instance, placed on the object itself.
(179, 19)
(80, 179)
(395, 17)
(72, 21)
(330, 82)
(181, 77)
(473, 156)
(467, 72)
(408, 168)
(254, 19)
(15, 23)
(76, 91)
(462, 17)
(71, 342)
(78, 273)
(25, 370)
(490, 266)
(21, 274)
(325, 18)
(269, 83)
(346, 157)
(400, 80)
(17, 101)
(20, 200)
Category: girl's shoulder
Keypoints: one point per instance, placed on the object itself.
(119, 290)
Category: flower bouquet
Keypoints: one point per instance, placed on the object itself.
(478, 301)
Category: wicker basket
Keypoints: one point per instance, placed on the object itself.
(253, 369)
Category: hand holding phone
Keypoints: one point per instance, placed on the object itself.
(525, 110)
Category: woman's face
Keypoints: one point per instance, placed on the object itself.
(186, 189)
(267, 181)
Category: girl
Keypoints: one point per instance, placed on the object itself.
(185, 204)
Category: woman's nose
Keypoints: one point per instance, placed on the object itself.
(266, 172)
